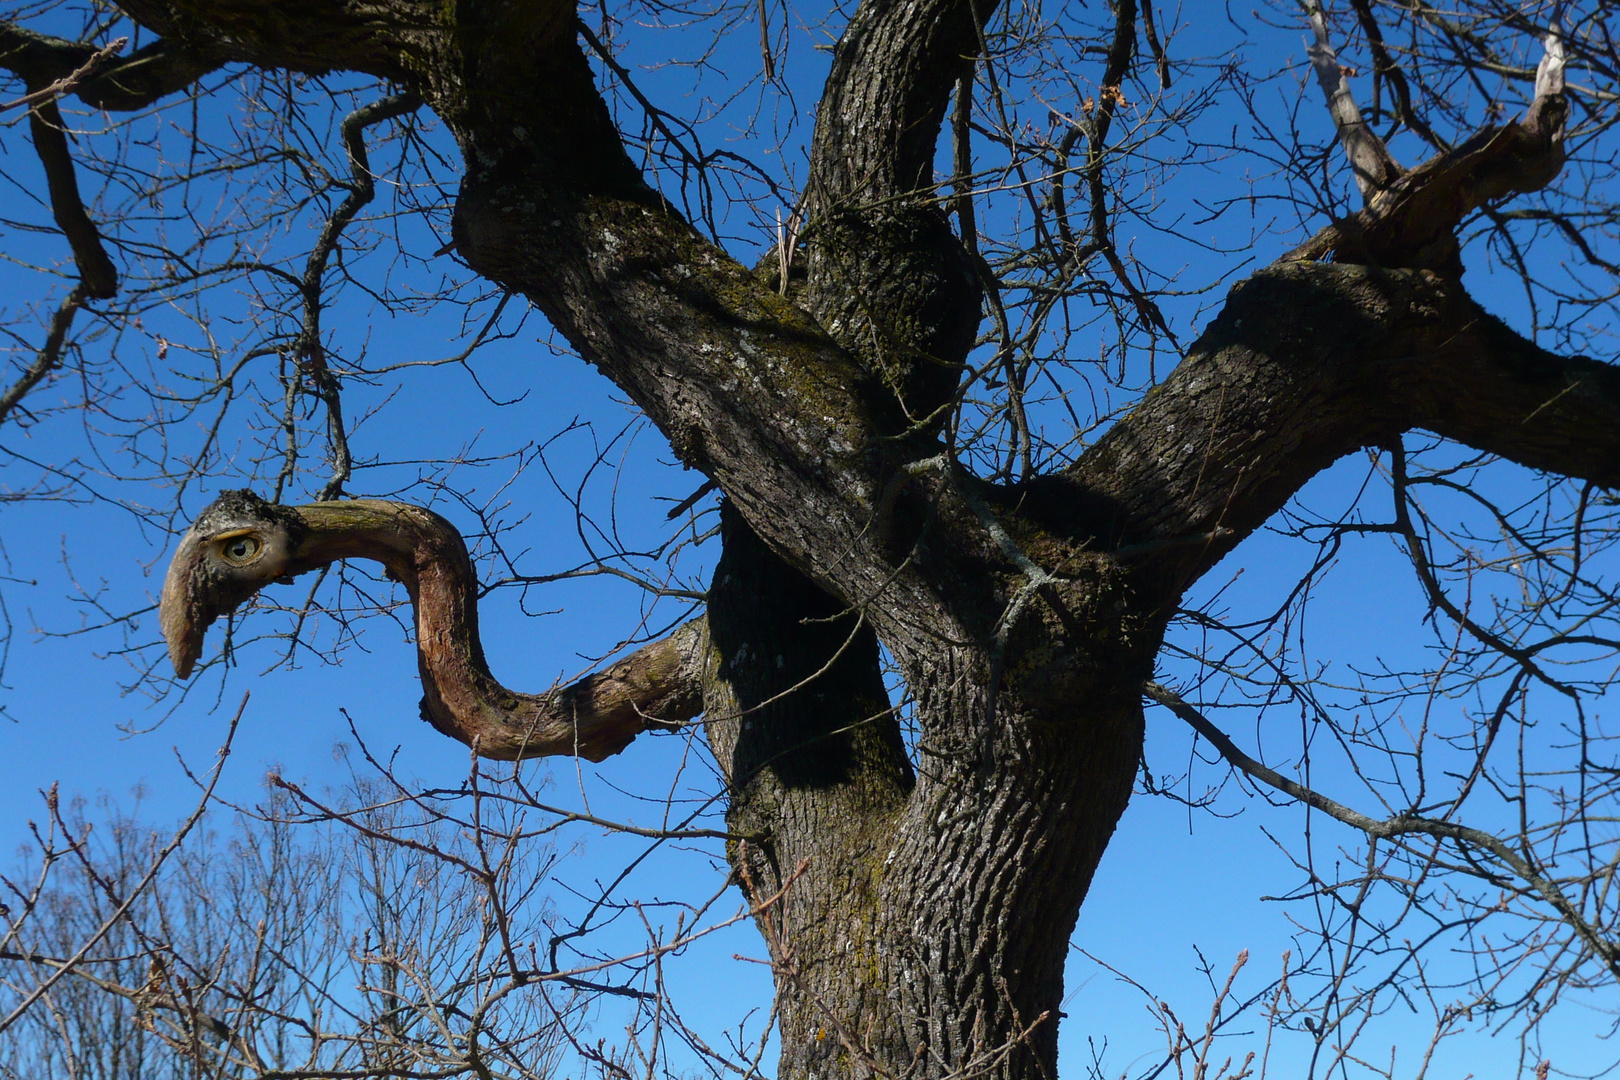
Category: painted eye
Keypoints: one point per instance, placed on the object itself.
(240, 549)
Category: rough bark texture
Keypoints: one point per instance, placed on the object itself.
(924, 931)
(799, 720)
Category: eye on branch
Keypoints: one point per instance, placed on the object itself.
(240, 543)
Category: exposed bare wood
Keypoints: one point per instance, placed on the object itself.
(240, 544)
(1370, 160)
(1412, 222)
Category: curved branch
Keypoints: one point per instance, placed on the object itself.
(1308, 362)
(49, 357)
(311, 350)
(748, 387)
(884, 272)
(240, 543)
(885, 97)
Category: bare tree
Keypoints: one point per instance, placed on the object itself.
(971, 416)
(366, 940)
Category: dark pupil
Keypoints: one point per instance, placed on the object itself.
(241, 549)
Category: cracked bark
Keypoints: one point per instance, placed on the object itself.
(928, 932)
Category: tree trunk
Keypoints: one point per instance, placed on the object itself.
(925, 918)
(925, 903)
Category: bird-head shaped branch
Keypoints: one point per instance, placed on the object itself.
(239, 544)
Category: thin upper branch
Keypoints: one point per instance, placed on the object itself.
(49, 357)
(1412, 220)
(1370, 159)
(72, 78)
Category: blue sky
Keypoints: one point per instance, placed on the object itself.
(1174, 881)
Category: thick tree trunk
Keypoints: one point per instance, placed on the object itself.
(925, 918)
(800, 722)
(926, 904)
(985, 876)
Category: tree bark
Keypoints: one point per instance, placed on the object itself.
(928, 904)
(924, 926)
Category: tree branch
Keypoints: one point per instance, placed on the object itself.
(70, 80)
(1394, 828)
(49, 357)
(98, 279)
(136, 81)
(1412, 222)
(1495, 391)
(891, 78)
(884, 272)
(1309, 362)
(747, 386)
(1370, 159)
(596, 717)
(310, 348)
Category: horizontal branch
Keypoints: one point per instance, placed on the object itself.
(1494, 390)
(52, 66)
(70, 80)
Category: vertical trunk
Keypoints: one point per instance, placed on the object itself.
(925, 921)
(988, 869)
(800, 721)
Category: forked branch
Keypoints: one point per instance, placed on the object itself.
(1370, 159)
(1398, 827)
(1412, 221)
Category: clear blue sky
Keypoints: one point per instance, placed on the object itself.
(1174, 880)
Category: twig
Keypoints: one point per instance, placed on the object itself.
(70, 80)
(1395, 827)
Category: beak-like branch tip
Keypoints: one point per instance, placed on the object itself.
(179, 614)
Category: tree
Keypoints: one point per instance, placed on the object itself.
(374, 946)
(877, 399)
